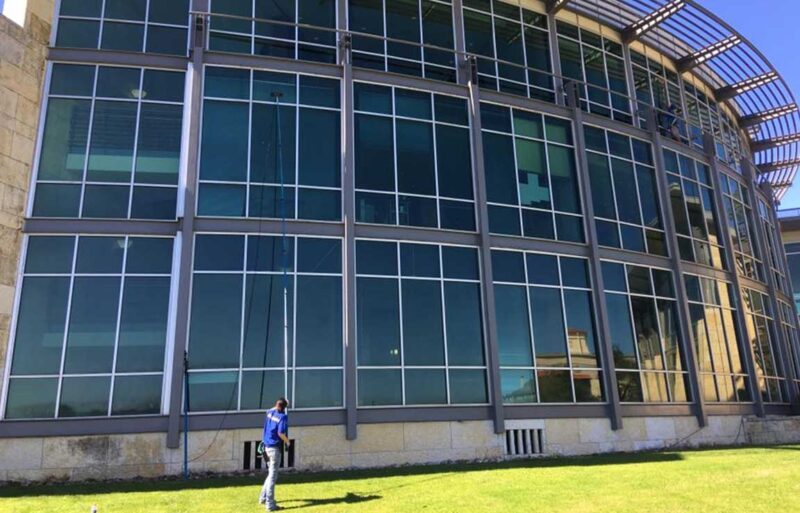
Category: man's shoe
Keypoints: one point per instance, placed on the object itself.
(274, 508)
(262, 501)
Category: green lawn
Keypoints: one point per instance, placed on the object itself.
(744, 480)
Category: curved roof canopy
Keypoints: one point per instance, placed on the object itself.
(698, 40)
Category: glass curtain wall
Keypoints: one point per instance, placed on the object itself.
(596, 63)
(792, 250)
(531, 175)
(419, 325)
(787, 320)
(691, 195)
(658, 86)
(772, 243)
(274, 34)
(496, 30)
(238, 356)
(762, 336)
(422, 22)
(624, 192)
(152, 26)
(546, 329)
(738, 210)
(111, 144)
(240, 165)
(91, 331)
(644, 326)
(717, 344)
(413, 156)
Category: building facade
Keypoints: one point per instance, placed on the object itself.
(445, 230)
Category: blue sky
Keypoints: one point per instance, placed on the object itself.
(772, 25)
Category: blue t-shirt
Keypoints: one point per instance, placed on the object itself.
(276, 422)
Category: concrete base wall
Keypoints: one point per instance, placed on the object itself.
(377, 445)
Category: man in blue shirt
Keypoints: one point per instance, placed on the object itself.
(276, 434)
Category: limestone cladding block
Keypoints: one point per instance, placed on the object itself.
(337, 461)
(561, 431)
(474, 434)
(426, 435)
(20, 454)
(138, 449)
(39, 475)
(660, 428)
(685, 427)
(321, 440)
(633, 429)
(206, 446)
(378, 438)
(75, 451)
(379, 459)
(594, 430)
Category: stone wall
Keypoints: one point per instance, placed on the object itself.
(22, 57)
(377, 445)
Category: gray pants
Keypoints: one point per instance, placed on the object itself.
(273, 455)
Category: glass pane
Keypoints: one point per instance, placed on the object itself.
(425, 386)
(534, 182)
(265, 343)
(542, 269)
(518, 386)
(468, 386)
(319, 255)
(105, 201)
(580, 328)
(378, 321)
(508, 266)
(224, 141)
(46, 255)
(64, 140)
(457, 215)
(149, 255)
(100, 255)
(619, 320)
(460, 263)
(77, 33)
(574, 272)
(213, 391)
(501, 175)
(319, 152)
(221, 200)
(379, 387)
(454, 162)
(31, 398)
(647, 337)
(513, 331)
(318, 389)
(159, 145)
(264, 162)
(136, 395)
(319, 334)
(588, 386)
(555, 386)
(419, 260)
(629, 385)
(464, 323)
(40, 326)
(261, 389)
(216, 316)
(548, 328)
(563, 175)
(374, 153)
(423, 336)
(219, 253)
(143, 324)
(376, 258)
(174, 12)
(84, 397)
(126, 37)
(415, 165)
(92, 325)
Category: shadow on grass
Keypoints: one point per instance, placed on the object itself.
(206, 482)
(349, 498)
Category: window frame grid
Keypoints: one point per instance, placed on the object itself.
(757, 346)
(641, 369)
(664, 76)
(734, 202)
(552, 212)
(433, 123)
(445, 367)
(71, 275)
(289, 382)
(571, 368)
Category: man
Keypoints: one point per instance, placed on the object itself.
(276, 431)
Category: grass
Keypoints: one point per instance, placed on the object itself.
(747, 480)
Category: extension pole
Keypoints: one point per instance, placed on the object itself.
(186, 416)
(284, 247)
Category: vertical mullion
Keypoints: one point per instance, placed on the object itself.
(85, 175)
(135, 143)
(146, 26)
(66, 326)
(293, 320)
(122, 279)
(245, 320)
(249, 171)
(527, 287)
(442, 283)
(549, 181)
(629, 297)
(400, 311)
(436, 164)
(561, 292)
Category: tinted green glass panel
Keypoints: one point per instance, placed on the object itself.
(320, 204)
(106, 201)
(457, 215)
(563, 177)
(518, 386)
(266, 202)
(372, 98)
(266, 85)
(221, 200)
(224, 141)
(574, 272)
(72, 80)
(376, 258)
(379, 387)
(84, 397)
(174, 12)
(64, 141)
(501, 176)
(264, 340)
(319, 256)
(143, 324)
(31, 398)
(100, 255)
(113, 139)
(318, 389)
(46, 255)
(92, 325)
(513, 332)
(580, 328)
(87, 8)
(460, 263)
(419, 260)
(423, 335)
(374, 153)
(319, 335)
(425, 386)
(319, 150)
(415, 164)
(119, 83)
(534, 183)
(166, 40)
(163, 85)
(227, 83)
(548, 327)
(136, 395)
(454, 163)
(528, 124)
(264, 142)
(464, 327)
(56, 200)
(569, 228)
(508, 266)
(558, 130)
(378, 321)
(78, 33)
(412, 104)
(376, 208)
(266, 253)
(126, 37)
(219, 253)
(40, 326)
(216, 317)
(542, 269)
(555, 386)
(159, 144)
(621, 331)
(213, 391)
(321, 92)
(153, 203)
(415, 211)
(260, 389)
(468, 386)
(126, 9)
(450, 110)
(629, 385)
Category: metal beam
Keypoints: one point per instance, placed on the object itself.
(553, 6)
(732, 91)
(639, 28)
(775, 142)
(776, 166)
(767, 115)
(709, 52)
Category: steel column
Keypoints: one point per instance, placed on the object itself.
(595, 269)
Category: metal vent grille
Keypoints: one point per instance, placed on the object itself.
(251, 460)
(524, 442)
